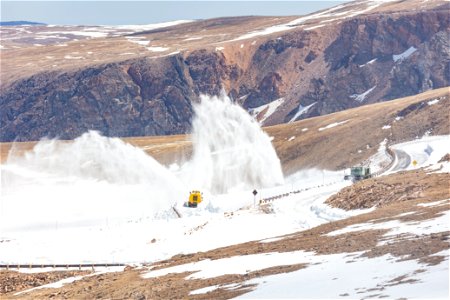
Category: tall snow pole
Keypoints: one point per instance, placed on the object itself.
(254, 197)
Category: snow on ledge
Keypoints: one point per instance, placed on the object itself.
(271, 108)
(368, 63)
(333, 125)
(301, 110)
(156, 49)
(432, 102)
(362, 97)
(404, 55)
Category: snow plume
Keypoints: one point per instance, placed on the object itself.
(96, 180)
(92, 173)
(231, 152)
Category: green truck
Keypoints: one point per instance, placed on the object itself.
(358, 173)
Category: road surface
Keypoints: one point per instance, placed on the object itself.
(402, 160)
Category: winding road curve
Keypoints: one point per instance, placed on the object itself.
(402, 160)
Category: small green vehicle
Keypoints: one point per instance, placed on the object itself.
(358, 173)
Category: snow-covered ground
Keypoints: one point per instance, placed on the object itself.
(349, 276)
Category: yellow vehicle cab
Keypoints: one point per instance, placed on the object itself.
(195, 197)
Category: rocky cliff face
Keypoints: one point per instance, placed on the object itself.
(317, 68)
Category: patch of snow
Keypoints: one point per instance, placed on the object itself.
(270, 240)
(333, 125)
(386, 127)
(409, 213)
(242, 46)
(339, 272)
(204, 290)
(396, 228)
(314, 27)
(404, 55)
(150, 26)
(432, 102)
(127, 53)
(398, 118)
(61, 283)
(435, 203)
(232, 265)
(301, 110)
(291, 138)
(304, 129)
(271, 108)
(368, 63)
(219, 48)
(139, 42)
(293, 24)
(157, 49)
(91, 34)
(214, 287)
(194, 38)
(73, 57)
(362, 97)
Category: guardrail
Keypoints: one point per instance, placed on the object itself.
(273, 198)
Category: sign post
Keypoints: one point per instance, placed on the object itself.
(254, 197)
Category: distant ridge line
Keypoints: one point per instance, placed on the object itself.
(18, 23)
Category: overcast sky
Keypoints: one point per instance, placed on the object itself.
(147, 12)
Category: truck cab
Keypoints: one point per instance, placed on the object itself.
(195, 197)
(359, 173)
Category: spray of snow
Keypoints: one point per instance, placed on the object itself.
(231, 152)
(96, 180)
(88, 181)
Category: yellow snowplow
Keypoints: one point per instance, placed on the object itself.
(195, 197)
